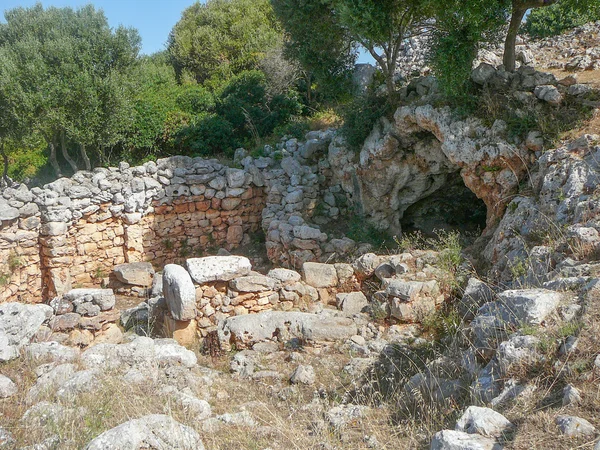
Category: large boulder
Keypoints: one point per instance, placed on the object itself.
(179, 292)
(137, 274)
(247, 330)
(18, 325)
(217, 268)
(155, 431)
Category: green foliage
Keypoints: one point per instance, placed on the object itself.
(359, 230)
(223, 38)
(321, 45)
(462, 27)
(208, 135)
(69, 73)
(244, 103)
(558, 18)
(360, 116)
(27, 159)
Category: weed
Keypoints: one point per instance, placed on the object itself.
(168, 244)
(4, 278)
(361, 231)
(15, 262)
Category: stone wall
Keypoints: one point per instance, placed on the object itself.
(72, 232)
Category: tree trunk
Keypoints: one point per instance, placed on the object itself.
(53, 160)
(65, 152)
(84, 156)
(511, 39)
(5, 169)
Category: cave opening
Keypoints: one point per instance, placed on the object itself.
(453, 207)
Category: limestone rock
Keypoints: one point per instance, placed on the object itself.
(285, 276)
(7, 387)
(304, 374)
(154, 431)
(103, 298)
(526, 306)
(137, 274)
(459, 440)
(352, 302)
(253, 328)
(575, 427)
(320, 275)
(476, 294)
(483, 421)
(18, 324)
(179, 292)
(217, 268)
(52, 351)
(253, 283)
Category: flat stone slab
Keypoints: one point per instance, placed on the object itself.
(253, 328)
(253, 283)
(136, 274)
(217, 268)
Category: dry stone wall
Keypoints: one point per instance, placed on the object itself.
(74, 231)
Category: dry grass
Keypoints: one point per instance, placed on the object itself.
(535, 414)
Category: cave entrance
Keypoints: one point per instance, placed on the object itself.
(453, 207)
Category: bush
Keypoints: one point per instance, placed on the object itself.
(28, 160)
(558, 18)
(208, 135)
(244, 103)
(360, 116)
(195, 99)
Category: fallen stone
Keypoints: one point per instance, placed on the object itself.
(459, 440)
(179, 292)
(303, 375)
(483, 421)
(352, 302)
(7, 387)
(250, 329)
(52, 351)
(154, 431)
(285, 276)
(575, 427)
(137, 274)
(320, 275)
(217, 268)
(476, 294)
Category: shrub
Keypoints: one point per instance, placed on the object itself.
(245, 104)
(194, 99)
(208, 135)
(360, 116)
(558, 18)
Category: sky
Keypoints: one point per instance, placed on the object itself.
(154, 19)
